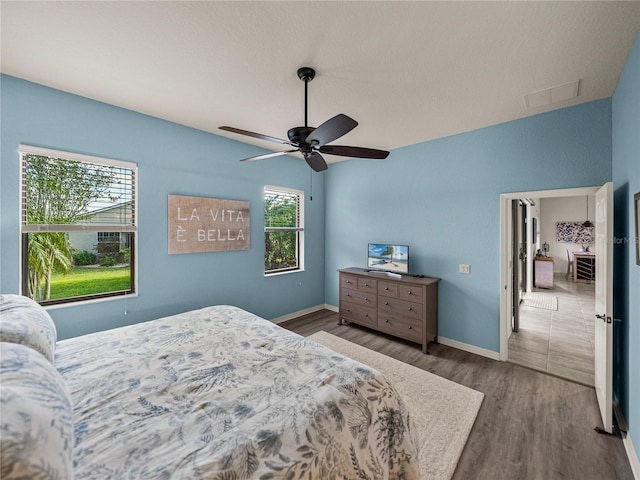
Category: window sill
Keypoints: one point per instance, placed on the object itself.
(284, 272)
(89, 302)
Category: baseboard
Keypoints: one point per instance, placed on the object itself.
(632, 454)
(469, 348)
(445, 341)
(306, 311)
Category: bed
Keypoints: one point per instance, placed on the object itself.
(216, 393)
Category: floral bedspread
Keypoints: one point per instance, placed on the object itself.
(220, 393)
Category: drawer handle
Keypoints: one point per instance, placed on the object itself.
(410, 292)
(366, 315)
(386, 321)
(411, 309)
(366, 299)
(348, 281)
(386, 303)
(410, 327)
(366, 284)
(348, 295)
(386, 288)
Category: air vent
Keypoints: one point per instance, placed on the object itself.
(556, 94)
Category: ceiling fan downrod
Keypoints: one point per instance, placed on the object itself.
(306, 74)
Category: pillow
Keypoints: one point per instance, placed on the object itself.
(36, 432)
(24, 321)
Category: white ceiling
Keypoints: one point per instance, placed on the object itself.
(406, 71)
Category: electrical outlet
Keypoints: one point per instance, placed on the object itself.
(463, 268)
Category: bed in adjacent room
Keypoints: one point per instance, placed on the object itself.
(222, 393)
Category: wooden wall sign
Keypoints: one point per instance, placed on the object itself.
(201, 224)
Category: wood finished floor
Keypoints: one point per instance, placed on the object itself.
(530, 426)
(558, 342)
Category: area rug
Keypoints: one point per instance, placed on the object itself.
(540, 300)
(443, 411)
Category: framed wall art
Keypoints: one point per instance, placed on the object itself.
(202, 224)
(574, 232)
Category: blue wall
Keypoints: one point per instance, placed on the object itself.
(626, 180)
(171, 159)
(442, 198)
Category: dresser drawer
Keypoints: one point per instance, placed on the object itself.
(388, 289)
(368, 285)
(403, 327)
(348, 281)
(366, 316)
(413, 293)
(403, 308)
(361, 298)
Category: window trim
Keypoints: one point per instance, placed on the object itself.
(299, 229)
(25, 229)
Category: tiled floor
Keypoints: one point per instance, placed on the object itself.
(558, 342)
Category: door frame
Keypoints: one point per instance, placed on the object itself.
(506, 240)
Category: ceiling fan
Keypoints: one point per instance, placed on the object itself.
(310, 141)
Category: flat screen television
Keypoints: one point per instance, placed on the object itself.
(388, 258)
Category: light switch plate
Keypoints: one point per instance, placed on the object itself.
(464, 268)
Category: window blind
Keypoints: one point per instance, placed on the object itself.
(67, 194)
(282, 210)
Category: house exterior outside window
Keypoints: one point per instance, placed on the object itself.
(78, 226)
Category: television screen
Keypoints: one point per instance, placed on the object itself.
(389, 258)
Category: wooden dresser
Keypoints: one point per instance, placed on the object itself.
(406, 307)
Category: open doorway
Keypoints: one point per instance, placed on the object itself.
(547, 317)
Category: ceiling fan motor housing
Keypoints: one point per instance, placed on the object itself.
(298, 135)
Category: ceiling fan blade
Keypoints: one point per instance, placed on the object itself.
(315, 161)
(356, 152)
(268, 155)
(256, 135)
(331, 129)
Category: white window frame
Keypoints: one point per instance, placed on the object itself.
(299, 229)
(35, 228)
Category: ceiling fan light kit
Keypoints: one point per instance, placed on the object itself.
(310, 141)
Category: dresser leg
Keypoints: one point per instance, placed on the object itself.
(424, 349)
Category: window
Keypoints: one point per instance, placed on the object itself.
(283, 230)
(78, 226)
(112, 242)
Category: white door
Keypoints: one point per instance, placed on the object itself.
(604, 304)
